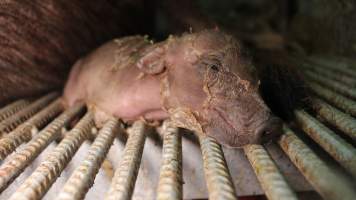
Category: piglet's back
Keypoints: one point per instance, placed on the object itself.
(108, 80)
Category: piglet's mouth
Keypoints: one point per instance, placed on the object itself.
(225, 119)
(226, 131)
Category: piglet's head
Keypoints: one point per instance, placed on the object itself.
(210, 86)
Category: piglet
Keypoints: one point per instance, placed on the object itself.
(203, 81)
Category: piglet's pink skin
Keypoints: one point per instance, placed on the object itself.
(201, 81)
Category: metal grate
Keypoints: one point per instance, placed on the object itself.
(30, 129)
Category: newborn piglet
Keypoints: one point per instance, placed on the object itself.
(203, 81)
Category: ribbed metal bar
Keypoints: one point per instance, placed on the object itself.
(340, 62)
(217, 174)
(272, 181)
(339, 87)
(17, 162)
(83, 177)
(331, 74)
(12, 108)
(347, 62)
(13, 121)
(44, 176)
(170, 179)
(337, 147)
(123, 182)
(335, 66)
(342, 121)
(341, 102)
(23, 132)
(326, 182)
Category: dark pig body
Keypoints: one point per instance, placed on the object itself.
(41, 39)
(202, 81)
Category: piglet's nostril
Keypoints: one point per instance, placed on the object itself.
(270, 130)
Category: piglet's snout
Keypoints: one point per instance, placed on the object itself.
(269, 130)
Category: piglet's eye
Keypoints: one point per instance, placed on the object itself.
(214, 67)
(214, 64)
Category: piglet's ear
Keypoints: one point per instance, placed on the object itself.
(152, 61)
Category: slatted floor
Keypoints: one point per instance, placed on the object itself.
(29, 127)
